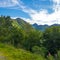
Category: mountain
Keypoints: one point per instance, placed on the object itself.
(16, 44)
(24, 25)
(40, 27)
(20, 23)
(43, 27)
(27, 27)
(55, 25)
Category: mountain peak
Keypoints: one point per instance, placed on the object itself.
(43, 27)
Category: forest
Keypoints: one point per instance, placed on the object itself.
(20, 41)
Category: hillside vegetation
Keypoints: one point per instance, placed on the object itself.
(20, 41)
(8, 52)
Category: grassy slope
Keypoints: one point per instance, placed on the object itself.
(20, 24)
(10, 53)
(24, 25)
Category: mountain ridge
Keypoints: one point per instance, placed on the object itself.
(43, 27)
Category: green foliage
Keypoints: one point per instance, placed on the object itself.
(10, 53)
(23, 38)
(10, 32)
(52, 37)
(33, 39)
(24, 25)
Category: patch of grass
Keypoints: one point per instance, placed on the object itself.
(10, 53)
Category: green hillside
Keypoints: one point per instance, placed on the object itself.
(24, 25)
(8, 52)
(20, 41)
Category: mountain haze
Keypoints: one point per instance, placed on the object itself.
(43, 27)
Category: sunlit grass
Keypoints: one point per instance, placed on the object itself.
(10, 53)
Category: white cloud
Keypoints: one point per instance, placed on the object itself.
(44, 18)
(56, 4)
(56, 1)
(8, 3)
(13, 3)
(41, 17)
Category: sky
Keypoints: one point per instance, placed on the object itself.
(33, 11)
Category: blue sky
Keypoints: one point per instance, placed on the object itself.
(32, 11)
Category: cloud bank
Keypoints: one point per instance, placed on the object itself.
(39, 17)
(43, 17)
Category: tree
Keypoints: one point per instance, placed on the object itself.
(17, 37)
(52, 39)
(33, 39)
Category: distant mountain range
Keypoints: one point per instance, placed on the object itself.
(27, 27)
(43, 27)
